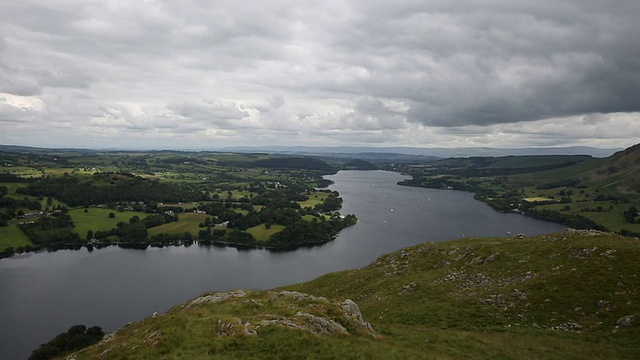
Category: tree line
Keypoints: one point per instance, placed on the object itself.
(105, 188)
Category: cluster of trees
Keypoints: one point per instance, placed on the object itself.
(305, 163)
(51, 230)
(105, 188)
(441, 182)
(232, 237)
(305, 233)
(12, 178)
(76, 338)
(282, 216)
(136, 231)
(630, 214)
(171, 239)
(279, 207)
(331, 203)
(296, 234)
(572, 220)
(12, 207)
(280, 198)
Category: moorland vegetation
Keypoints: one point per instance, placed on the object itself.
(571, 295)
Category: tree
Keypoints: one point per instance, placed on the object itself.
(76, 338)
(112, 215)
(630, 214)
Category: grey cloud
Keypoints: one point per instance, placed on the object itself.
(215, 113)
(18, 86)
(373, 114)
(277, 101)
(505, 61)
(339, 65)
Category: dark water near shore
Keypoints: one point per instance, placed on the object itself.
(44, 294)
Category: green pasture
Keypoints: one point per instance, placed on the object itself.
(178, 176)
(12, 186)
(611, 215)
(84, 171)
(577, 195)
(57, 172)
(237, 194)
(97, 219)
(12, 236)
(262, 234)
(315, 198)
(309, 217)
(187, 222)
(186, 205)
(22, 171)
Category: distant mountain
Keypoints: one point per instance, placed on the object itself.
(433, 152)
(399, 153)
(621, 170)
(296, 162)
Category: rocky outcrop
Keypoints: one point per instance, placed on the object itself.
(568, 326)
(217, 297)
(321, 323)
(236, 326)
(625, 321)
(590, 232)
(306, 312)
(352, 314)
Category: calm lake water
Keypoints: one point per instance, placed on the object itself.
(43, 294)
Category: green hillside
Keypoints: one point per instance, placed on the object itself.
(575, 190)
(571, 295)
(621, 171)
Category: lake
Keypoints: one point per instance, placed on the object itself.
(43, 294)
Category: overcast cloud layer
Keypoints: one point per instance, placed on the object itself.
(206, 74)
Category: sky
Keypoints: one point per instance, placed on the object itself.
(199, 75)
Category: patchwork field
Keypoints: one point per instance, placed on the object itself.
(314, 199)
(187, 222)
(97, 219)
(262, 234)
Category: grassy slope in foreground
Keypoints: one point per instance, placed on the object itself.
(559, 296)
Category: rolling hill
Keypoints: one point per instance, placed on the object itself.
(621, 171)
(570, 295)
